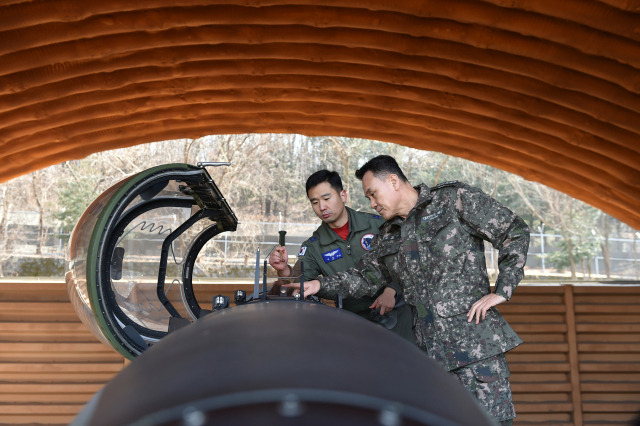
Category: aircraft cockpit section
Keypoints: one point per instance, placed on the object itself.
(133, 252)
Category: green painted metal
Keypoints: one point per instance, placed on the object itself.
(97, 239)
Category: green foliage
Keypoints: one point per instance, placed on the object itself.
(41, 267)
(74, 196)
(577, 223)
(582, 249)
(560, 258)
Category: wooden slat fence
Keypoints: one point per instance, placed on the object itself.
(50, 364)
(580, 363)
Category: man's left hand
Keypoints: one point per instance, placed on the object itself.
(480, 308)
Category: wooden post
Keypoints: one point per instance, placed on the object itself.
(574, 364)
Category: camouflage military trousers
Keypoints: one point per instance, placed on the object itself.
(488, 381)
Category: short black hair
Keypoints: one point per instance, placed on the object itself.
(333, 178)
(381, 167)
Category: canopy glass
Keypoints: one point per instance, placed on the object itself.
(132, 254)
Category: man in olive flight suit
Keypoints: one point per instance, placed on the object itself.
(432, 246)
(338, 244)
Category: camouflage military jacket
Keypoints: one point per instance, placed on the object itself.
(325, 253)
(436, 254)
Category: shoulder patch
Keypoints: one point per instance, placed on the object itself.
(365, 241)
(312, 239)
(445, 184)
(303, 251)
(376, 216)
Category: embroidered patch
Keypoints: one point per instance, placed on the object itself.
(376, 216)
(332, 255)
(432, 216)
(312, 239)
(365, 241)
(303, 250)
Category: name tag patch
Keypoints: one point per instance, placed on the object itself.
(332, 255)
(432, 216)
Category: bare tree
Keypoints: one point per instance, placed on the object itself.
(526, 198)
(5, 208)
(440, 167)
(604, 243)
(346, 148)
(265, 183)
(636, 267)
(38, 196)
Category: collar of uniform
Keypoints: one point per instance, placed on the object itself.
(326, 235)
(424, 194)
(358, 221)
(396, 221)
(424, 197)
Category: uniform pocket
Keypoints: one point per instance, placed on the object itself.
(388, 247)
(432, 225)
(387, 253)
(491, 369)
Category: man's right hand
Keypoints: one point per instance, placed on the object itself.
(278, 260)
(386, 301)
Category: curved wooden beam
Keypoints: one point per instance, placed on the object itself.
(545, 90)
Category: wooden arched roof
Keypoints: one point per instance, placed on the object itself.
(544, 89)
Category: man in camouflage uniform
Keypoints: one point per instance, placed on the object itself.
(338, 244)
(432, 246)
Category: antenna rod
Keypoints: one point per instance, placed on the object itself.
(256, 286)
(301, 280)
(264, 282)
